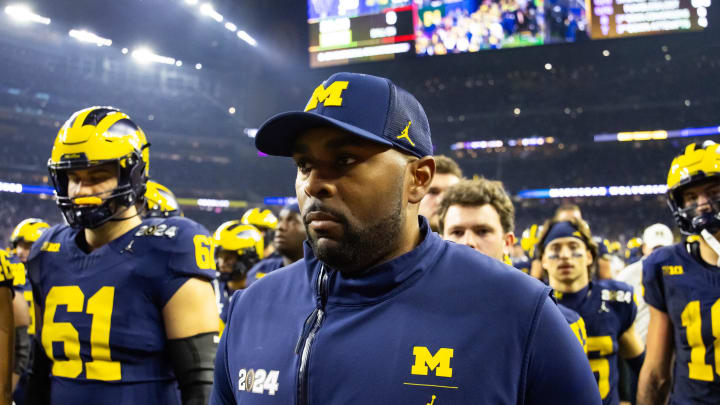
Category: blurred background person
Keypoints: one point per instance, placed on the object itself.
(266, 222)
(447, 173)
(25, 234)
(567, 252)
(238, 247)
(288, 243)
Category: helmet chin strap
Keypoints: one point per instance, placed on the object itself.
(713, 243)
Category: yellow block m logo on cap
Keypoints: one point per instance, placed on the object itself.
(440, 362)
(330, 97)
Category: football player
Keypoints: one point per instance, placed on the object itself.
(682, 288)
(567, 252)
(238, 248)
(125, 310)
(21, 240)
(6, 330)
(567, 212)
(266, 222)
(288, 243)
(160, 202)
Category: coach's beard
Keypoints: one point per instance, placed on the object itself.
(361, 245)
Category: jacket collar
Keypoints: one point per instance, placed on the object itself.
(383, 280)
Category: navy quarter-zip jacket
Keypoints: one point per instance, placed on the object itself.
(442, 324)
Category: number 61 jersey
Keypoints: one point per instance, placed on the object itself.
(102, 325)
(687, 290)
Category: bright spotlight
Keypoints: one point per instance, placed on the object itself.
(178, 63)
(548, 66)
(231, 110)
(198, 66)
(124, 51)
(246, 37)
(144, 56)
(208, 10)
(230, 26)
(191, 2)
(85, 36)
(23, 13)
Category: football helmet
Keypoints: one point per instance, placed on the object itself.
(530, 238)
(696, 165)
(244, 240)
(29, 230)
(92, 137)
(264, 219)
(160, 201)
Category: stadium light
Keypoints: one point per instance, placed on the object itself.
(230, 26)
(85, 36)
(144, 56)
(198, 66)
(208, 10)
(124, 51)
(178, 63)
(191, 2)
(246, 37)
(22, 13)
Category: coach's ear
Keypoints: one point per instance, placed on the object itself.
(422, 172)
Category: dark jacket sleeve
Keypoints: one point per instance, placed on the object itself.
(558, 370)
(222, 390)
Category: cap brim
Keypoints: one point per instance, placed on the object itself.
(278, 134)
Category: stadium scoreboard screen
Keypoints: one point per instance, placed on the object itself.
(346, 31)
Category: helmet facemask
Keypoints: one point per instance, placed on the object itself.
(243, 263)
(689, 220)
(130, 189)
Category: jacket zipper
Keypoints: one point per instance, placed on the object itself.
(310, 329)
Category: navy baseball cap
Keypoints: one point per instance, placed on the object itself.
(371, 107)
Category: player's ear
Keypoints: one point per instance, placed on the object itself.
(422, 172)
(509, 242)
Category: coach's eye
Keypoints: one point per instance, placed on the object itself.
(346, 160)
(303, 166)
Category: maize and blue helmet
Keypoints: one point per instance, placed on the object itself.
(698, 164)
(160, 202)
(244, 240)
(93, 137)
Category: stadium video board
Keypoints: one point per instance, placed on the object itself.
(346, 31)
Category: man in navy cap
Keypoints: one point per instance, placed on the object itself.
(287, 241)
(381, 310)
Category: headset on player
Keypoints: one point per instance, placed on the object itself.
(93, 137)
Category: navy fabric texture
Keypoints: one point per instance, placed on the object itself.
(441, 322)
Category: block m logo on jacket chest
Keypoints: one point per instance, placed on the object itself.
(439, 362)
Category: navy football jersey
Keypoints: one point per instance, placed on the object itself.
(688, 290)
(608, 309)
(102, 324)
(577, 325)
(263, 267)
(523, 265)
(6, 276)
